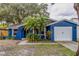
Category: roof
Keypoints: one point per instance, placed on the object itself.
(15, 26)
(63, 20)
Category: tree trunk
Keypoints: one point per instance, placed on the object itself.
(76, 6)
(44, 32)
(78, 15)
(77, 53)
(39, 33)
(33, 33)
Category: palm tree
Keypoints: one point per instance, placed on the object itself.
(38, 23)
(42, 24)
(30, 23)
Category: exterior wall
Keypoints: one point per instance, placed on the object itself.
(9, 33)
(52, 33)
(3, 32)
(20, 33)
(74, 33)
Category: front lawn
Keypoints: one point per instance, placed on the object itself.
(52, 50)
(37, 50)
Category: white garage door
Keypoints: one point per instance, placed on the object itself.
(63, 33)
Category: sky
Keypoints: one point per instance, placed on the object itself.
(60, 11)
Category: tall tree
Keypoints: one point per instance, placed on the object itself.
(31, 23)
(76, 7)
(42, 22)
(38, 23)
(17, 12)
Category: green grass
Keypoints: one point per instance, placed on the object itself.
(40, 50)
(49, 50)
(42, 41)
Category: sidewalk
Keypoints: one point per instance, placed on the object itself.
(26, 43)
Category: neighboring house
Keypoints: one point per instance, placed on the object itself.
(64, 30)
(3, 33)
(3, 29)
(13, 32)
(17, 32)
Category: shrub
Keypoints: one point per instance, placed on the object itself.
(33, 37)
(48, 34)
(11, 38)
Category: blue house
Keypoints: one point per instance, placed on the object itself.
(63, 30)
(17, 31)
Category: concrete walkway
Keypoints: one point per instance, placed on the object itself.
(70, 45)
(26, 43)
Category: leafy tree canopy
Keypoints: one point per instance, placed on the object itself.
(16, 12)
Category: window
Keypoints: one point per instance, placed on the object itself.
(14, 32)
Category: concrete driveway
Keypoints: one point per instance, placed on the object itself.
(70, 45)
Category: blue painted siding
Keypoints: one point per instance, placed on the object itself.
(74, 34)
(20, 33)
(52, 33)
(9, 33)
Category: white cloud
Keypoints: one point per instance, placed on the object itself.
(60, 11)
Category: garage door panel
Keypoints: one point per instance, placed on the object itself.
(63, 33)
